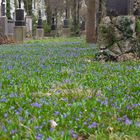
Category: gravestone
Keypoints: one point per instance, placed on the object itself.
(117, 7)
(10, 27)
(28, 20)
(3, 9)
(20, 28)
(40, 30)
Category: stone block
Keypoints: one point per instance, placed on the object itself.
(19, 33)
(39, 33)
(10, 27)
(66, 32)
(117, 39)
(3, 25)
(83, 33)
(28, 20)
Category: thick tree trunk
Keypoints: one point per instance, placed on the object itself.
(48, 12)
(91, 21)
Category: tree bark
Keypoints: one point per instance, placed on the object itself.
(91, 21)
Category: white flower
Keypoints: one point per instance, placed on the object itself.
(53, 124)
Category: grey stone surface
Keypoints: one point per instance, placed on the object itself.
(28, 20)
(117, 38)
(39, 33)
(3, 25)
(0, 10)
(19, 33)
(10, 27)
(66, 32)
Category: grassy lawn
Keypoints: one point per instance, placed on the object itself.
(56, 80)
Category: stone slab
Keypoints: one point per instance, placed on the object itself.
(28, 20)
(66, 32)
(10, 27)
(39, 33)
(3, 25)
(19, 33)
(120, 7)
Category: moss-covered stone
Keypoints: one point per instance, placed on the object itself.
(119, 36)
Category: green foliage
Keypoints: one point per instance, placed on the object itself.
(58, 80)
(125, 27)
(107, 32)
(28, 7)
(138, 36)
(46, 27)
(34, 24)
(138, 28)
(8, 8)
(75, 29)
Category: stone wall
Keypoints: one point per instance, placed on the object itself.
(118, 39)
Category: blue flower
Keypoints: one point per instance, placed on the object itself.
(48, 139)
(128, 122)
(137, 124)
(93, 125)
(39, 137)
(36, 105)
(6, 115)
(4, 129)
(3, 100)
(75, 136)
(56, 113)
(13, 132)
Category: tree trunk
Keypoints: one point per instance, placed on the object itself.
(48, 12)
(91, 21)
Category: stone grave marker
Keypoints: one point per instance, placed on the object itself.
(40, 30)
(20, 28)
(28, 20)
(11, 26)
(117, 7)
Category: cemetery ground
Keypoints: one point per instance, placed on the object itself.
(55, 90)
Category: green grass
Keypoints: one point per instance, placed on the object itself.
(58, 80)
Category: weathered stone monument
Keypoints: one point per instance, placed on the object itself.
(3, 19)
(40, 30)
(117, 7)
(123, 7)
(28, 20)
(20, 28)
(117, 33)
(10, 27)
(66, 28)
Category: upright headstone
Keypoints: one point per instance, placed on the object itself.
(40, 30)
(3, 19)
(11, 26)
(66, 28)
(29, 26)
(3, 8)
(117, 7)
(20, 28)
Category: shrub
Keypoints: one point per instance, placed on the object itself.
(34, 25)
(46, 27)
